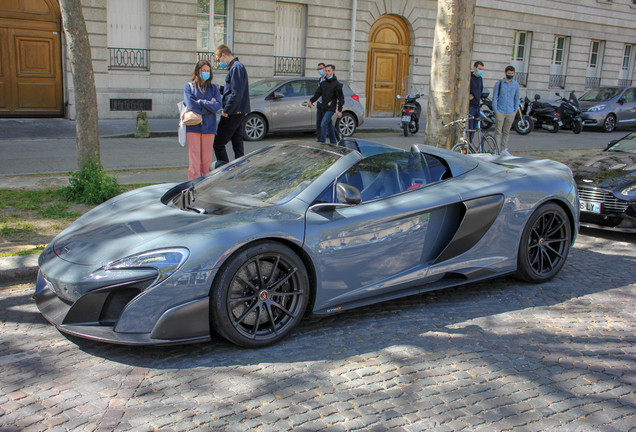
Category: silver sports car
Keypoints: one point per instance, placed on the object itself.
(297, 228)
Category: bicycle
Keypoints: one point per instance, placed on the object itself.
(484, 143)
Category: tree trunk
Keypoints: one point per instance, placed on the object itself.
(87, 134)
(450, 71)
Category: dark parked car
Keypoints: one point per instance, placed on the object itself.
(607, 186)
(280, 104)
(609, 107)
(247, 249)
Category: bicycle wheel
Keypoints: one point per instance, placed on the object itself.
(460, 148)
(490, 145)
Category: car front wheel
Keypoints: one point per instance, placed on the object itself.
(347, 125)
(544, 244)
(254, 127)
(610, 123)
(260, 295)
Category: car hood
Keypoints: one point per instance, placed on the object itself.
(607, 170)
(113, 229)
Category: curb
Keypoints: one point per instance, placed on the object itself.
(174, 134)
(22, 269)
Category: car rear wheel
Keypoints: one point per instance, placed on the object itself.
(347, 125)
(260, 295)
(610, 123)
(254, 127)
(544, 244)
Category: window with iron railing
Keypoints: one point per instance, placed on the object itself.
(289, 65)
(625, 82)
(129, 58)
(592, 82)
(557, 81)
(521, 78)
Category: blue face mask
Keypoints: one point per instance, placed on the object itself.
(330, 77)
(222, 64)
(479, 73)
(205, 76)
(321, 72)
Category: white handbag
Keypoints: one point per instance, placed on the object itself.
(182, 126)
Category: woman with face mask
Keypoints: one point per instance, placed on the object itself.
(203, 97)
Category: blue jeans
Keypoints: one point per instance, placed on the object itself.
(326, 128)
(472, 124)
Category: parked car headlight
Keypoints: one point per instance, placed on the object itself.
(596, 108)
(629, 192)
(166, 261)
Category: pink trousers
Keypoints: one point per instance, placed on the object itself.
(199, 153)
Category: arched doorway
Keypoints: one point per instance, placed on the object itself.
(30, 58)
(387, 64)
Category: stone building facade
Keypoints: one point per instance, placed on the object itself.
(556, 45)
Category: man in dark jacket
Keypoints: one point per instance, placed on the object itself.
(236, 105)
(332, 99)
(476, 88)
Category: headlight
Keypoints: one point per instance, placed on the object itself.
(596, 108)
(629, 192)
(166, 261)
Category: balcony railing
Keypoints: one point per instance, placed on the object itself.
(624, 82)
(289, 65)
(592, 82)
(129, 58)
(557, 81)
(521, 78)
(201, 55)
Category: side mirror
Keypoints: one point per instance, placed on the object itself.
(622, 100)
(398, 96)
(347, 194)
(278, 95)
(537, 97)
(557, 93)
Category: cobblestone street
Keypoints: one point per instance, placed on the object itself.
(496, 355)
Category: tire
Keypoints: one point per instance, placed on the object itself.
(253, 314)
(524, 125)
(406, 129)
(490, 145)
(347, 125)
(610, 123)
(486, 123)
(414, 127)
(460, 148)
(577, 127)
(555, 128)
(254, 127)
(544, 244)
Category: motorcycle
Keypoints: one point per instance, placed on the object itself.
(544, 115)
(410, 114)
(523, 124)
(569, 111)
(486, 111)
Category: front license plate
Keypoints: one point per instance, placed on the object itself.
(590, 206)
(406, 119)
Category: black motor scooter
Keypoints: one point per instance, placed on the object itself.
(544, 115)
(486, 111)
(410, 114)
(569, 111)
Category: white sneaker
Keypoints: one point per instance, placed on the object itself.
(505, 152)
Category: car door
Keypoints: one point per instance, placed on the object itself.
(290, 112)
(387, 242)
(626, 113)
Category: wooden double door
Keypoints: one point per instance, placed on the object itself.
(30, 59)
(387, 65)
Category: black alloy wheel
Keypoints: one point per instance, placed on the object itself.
(610, 123)
(544, 244)
(260, 295)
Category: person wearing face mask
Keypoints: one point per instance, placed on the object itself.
(203, 97)
(476, 88)
(321, 73)
(332, 100)
(236, 105)
(505, 102)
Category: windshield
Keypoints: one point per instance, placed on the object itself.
(269, 177)
(626, 144)
(601, 94)
(263, 86)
